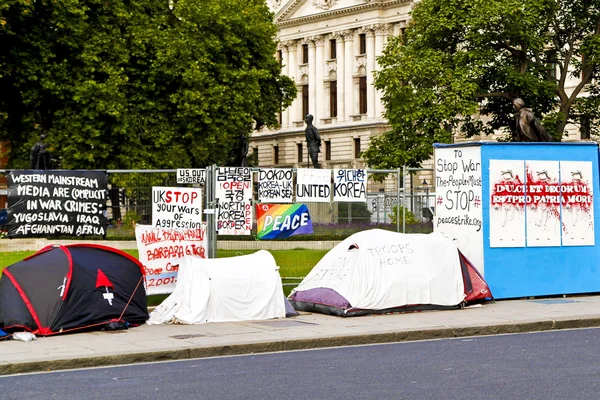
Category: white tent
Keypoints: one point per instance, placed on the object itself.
(224, 289)
(378, 270)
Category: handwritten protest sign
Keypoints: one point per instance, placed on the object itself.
(161, 250)
(57, 203)
(178, 208)
(313, 185)
(234, 196)
(191, 175)
(275, 185)
(350, 185)
(458, 211)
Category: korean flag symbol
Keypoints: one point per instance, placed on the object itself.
(102, 281)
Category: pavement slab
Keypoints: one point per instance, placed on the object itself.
(148, 343)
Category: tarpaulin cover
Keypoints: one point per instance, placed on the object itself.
(382, 270)
(224, 289)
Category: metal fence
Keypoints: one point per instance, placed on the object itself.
(397, 200)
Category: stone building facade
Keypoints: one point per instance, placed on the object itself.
(330, 49)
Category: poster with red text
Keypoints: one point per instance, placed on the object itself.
(234, 201)
(577, 203)
(176, 208)
(507, 203)
(161, 250)
(543, 203)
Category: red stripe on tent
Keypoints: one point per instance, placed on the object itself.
(113, 250)
(70, 273)
(25, 300)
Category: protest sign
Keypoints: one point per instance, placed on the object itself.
(350, 185)
(161, 250)
(275, 221)
(313, 185)
(177, 208)
(234, 201)
(275, 185)
(57, 203)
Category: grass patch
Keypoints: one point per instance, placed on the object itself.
(293, 264)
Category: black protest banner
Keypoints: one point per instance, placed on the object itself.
(45, 203)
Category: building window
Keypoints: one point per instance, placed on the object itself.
(402, 31)
(356, 147)
(362, 94)
(333, 99)
(255, 154)
(332, 49)
(280, 57)
(327, 150)
(304, 101)
(305, 54)
(275, 155)
(362, 43)
(299, 151)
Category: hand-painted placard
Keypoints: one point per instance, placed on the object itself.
(350, 185)
(507, 203)
(176, 208)
(313, 185)
(234, 198)
(577, 209)
(191, 175)
(161, 250)
(542, 203)
(458, 202)
(45, 203)
(276, 221)
(275, 185)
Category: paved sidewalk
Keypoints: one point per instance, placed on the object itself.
(307, 331)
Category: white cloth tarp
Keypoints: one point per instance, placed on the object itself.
(239, 288)
(390, 269)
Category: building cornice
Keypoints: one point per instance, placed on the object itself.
(322, 130)
(329, 14)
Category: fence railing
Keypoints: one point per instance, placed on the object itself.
(393, 202)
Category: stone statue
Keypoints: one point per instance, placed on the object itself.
(313, 140)
(528, 127)
(39, 157)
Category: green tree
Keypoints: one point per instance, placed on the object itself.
(460, 63)
(137, 84)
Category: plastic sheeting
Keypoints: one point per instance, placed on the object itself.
(224, 289)
(377, 270)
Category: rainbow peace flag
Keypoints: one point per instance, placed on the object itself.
(275, 221)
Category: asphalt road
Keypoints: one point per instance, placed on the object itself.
(546, 365)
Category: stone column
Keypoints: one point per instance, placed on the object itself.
(380, 31)
(312, 79)
(340, 76)
(326, 99)
(348, 73)
(292, 71)
(318, 105)
(285, 70)
(370, 70)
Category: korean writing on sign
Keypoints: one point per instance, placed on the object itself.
(234, 197)
(313, 185)
(275, 185)
(161, 250)
(350, 185)
(178, 208)
(57, 203)
(191, 175)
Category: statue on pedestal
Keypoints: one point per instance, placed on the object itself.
(313, 140)
(39, 157)
(528, 127)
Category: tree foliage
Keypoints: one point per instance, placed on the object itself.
(461, 62)
(137, 84)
